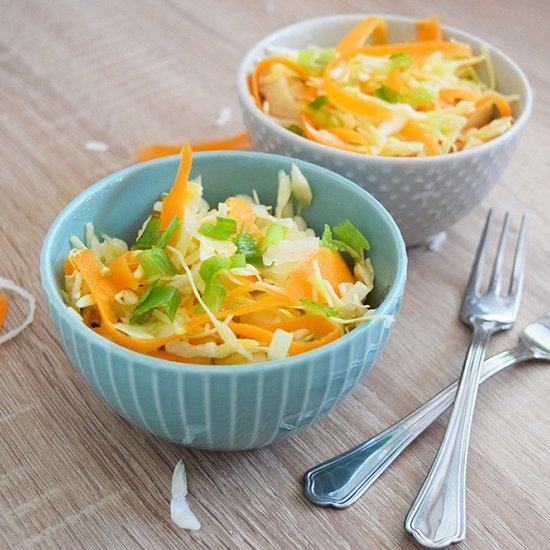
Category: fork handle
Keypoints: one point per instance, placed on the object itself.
(437, 517)
(343, 479)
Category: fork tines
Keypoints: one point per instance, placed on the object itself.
(497, 273)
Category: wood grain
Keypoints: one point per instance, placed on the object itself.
(75, 475)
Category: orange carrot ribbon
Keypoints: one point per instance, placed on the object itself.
(4, 304)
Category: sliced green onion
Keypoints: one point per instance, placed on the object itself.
(163, 297)
(351, 236)
(224, 229)
(164, 237)
(400, 60)
(156, 263)
(328, 242)
(315, 60)
(318, 309)
(388, 94)
(295, 129)
(275, 233)
(151, 235)
(324, 118)
(249, 245)
(439, 120)
(318, 102)
(210, 267)
(214, 294)
(213, 265)
(214, 291)
(421, 95)
(237, 260)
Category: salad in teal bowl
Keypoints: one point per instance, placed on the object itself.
(223, 300)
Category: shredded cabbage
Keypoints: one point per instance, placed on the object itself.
(442, 93)
(224, 297)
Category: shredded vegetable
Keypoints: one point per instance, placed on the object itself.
(156, 150)
(180, 512)
(7, 284)
(3, 309)
(237, 283)
(408, 99)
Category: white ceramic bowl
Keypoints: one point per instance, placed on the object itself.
(425, 195)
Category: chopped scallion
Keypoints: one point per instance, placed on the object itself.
(152, 236)
(164, 237)
(388, 94)
(318, 102)
(224, 229)
(149, 235)
(421, 95)
(400, 60)
(156, 263)
(315, 59)
(214, 294)
(329, 242)
(249, 245)
(163, 297)
(351, 236)
(295, 129)
(214, 291)
(319, 309)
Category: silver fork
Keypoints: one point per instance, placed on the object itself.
(437, 518)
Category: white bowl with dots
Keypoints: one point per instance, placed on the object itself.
(425, 195)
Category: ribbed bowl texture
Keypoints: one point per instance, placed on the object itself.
(224, 407)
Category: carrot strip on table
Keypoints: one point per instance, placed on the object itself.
(4, 304)
(238, 141)
(156, 150)
(359, 34)
(429, 30)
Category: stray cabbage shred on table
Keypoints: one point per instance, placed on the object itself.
(238, 283)
(408, 99)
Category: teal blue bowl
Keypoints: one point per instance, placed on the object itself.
(224, 407)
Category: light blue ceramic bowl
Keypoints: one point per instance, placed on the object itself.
(224, 407)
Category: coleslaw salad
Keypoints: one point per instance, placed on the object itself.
(238, 283)
(408, 99)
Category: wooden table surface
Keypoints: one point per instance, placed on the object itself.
(72, 473)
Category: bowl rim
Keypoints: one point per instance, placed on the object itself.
(56, 302)
(248, 104)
